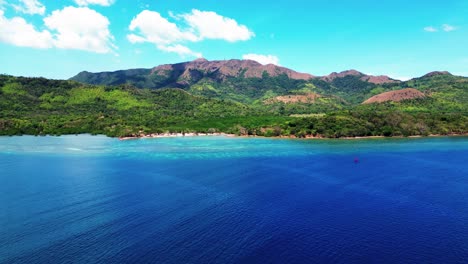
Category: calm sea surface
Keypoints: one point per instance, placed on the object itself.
(85, 199)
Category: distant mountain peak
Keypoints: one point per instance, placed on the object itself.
(227, 68)
(200, 60)
(435, 73)
(351, 72)
(364, 77)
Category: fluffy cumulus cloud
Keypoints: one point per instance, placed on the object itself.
(153, 28)
(150, 26)
(263, 59)
(30, 7)
(80, 28)
(209, 25)
(94, 2)
(18, 32)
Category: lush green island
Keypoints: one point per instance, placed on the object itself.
(236, 97)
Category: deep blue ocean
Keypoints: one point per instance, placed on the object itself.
(93, 199)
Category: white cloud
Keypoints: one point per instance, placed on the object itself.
(448, 28)
(30, 7)
(430, 29)
(181, 50)
(69, 28)
(94, 2)
(155, 29)
(18, 32)
(209, 25)
(80, 28)
(444, 27)
(150, 26)
(263, 59)
(135, 39)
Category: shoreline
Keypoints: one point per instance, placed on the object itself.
(174, 135)
(177, 135)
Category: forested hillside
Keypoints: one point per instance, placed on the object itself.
(243, 80)
(270, 105)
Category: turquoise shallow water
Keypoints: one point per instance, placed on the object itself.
(92, 199)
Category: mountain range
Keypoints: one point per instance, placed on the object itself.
(247, 81)
(234, 96)
(191, 72)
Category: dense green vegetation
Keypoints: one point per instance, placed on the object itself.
(237, 87)
(379, 120)
(352, 88)
(40, 106)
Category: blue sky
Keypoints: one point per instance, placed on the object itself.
(403, 39)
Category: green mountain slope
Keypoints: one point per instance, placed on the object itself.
(270, 105)
(243, 80)
(41, 106)
(133, 76)
(239, 80)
